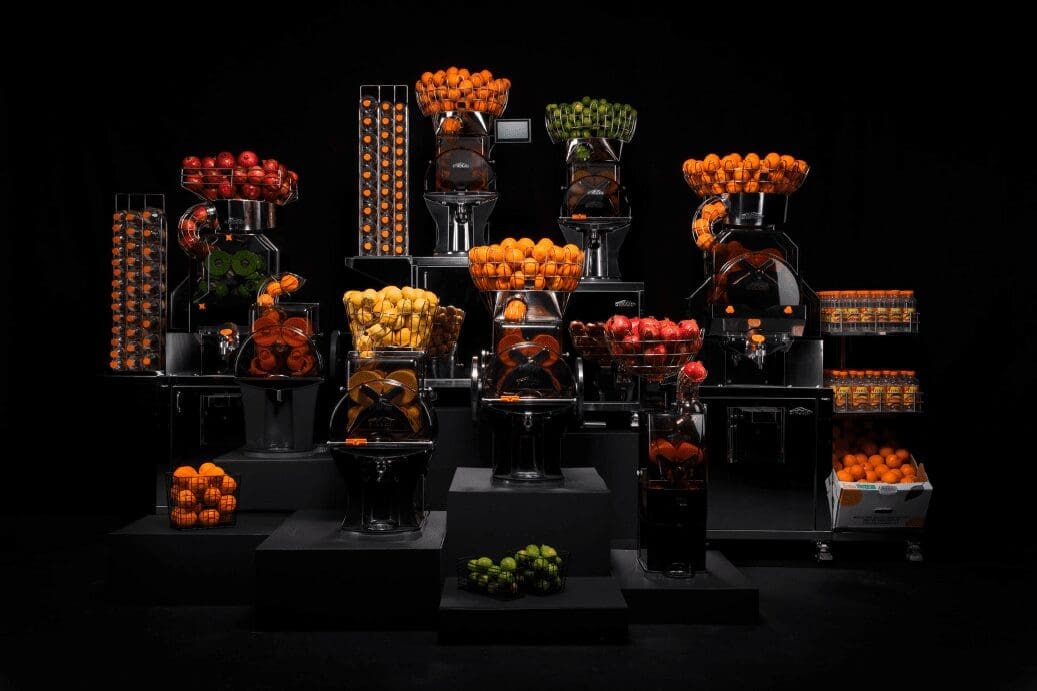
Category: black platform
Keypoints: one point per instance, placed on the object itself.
(588, 610)
(150, 562)
(311, 574)
(720, 595)
(286, 482)
(492, 518)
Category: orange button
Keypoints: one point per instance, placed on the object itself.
(753, 323)
(788, 309)
(729, 309)
(356, 441)
(510, 399)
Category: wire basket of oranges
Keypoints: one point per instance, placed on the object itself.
(455, 89)
(731, 174)
(206, 497)
(526, 265)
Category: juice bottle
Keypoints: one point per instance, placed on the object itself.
(851, 311)
(880, 299)
(840, 390)
(909, 308)
(910, 394)
(896, 309)
(893, 399)
(865, 314)
(876, 389)
(858, 391)
(836, 314)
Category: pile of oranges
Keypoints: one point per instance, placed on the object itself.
(773, 173)
(202, 498)
(526, 265)
(455, 89)
(884, 464)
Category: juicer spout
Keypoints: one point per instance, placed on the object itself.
(756, 347)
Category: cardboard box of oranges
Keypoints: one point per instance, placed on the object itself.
(206, 497)
(883, 498)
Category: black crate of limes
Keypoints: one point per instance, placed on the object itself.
(487, 577)
(541, 569)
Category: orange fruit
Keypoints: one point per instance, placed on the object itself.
(903, 454)
(857, 472)
(881, 468)
(844, 475)
(861, 458)
(891, 476)
(907, 480)
(185, 471)
(198, 484)
(908, 469)
(871, 476)
(228, 485)
(183, 518)
(209, 517)
(874, 460)
(228, 504)
(885, 451)
(211, 497)
(848, 460)
(893, 461)
(186, 500)
(205, 466)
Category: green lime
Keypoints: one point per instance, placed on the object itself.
(494, 570)
(552, 570)
(540, 564)
(533, 550)
(472, 565)
(508, 564)
(548, 551)
(483, 580)
(484, 563)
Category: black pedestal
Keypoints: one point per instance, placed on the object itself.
(492, 518)
(614, 455)
(311, 574)
(588, 610)
(720, 595)
(149, 562)
(286, 482)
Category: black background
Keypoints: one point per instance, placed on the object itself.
(922, 177)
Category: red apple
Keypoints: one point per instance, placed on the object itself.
(689, 329)
(250, 191)
(200, 214)
(188, 226)
(191, 162)
(694, 371)
(208, 162)
(617, 326)
(635, 325)
(649, 329)
(247, 159)
(239, 176)
(669, 331)
(271, 194)
(632, 343)
(226, 189)
(210, 193)
(272, 180)
(256, 175)
(225, 159)
(270, 165)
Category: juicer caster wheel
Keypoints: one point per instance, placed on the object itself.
(823, 551)
(914, 552)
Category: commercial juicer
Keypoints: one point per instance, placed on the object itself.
(770, 432)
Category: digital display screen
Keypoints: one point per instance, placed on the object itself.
(516, 131)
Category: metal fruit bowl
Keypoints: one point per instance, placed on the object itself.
(655, 359)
